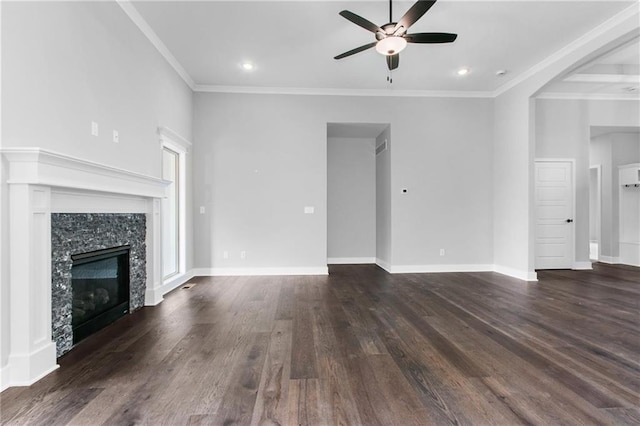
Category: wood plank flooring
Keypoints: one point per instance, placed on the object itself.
(359, 347)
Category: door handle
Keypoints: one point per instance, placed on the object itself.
(569, 220)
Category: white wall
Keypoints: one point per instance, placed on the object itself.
(65, 64)
(383, 200)
(351, 198)
(259, 159)
(563, 131)
(514, 147)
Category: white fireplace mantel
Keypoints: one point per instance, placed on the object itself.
(37, 166)
(42, 182)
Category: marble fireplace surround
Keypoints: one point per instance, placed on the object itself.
(43, 182)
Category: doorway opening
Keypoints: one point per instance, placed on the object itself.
(358, 193)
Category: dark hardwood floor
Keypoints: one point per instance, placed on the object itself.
(359, 347)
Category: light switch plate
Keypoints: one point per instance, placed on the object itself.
(309, 210)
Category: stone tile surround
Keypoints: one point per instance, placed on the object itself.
(74, 233)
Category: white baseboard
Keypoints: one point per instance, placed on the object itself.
(26, 369)
(383, 264)
(221, 272)
(156, 296)
(516, 273)
(582, 266)
(609, 259)
(4, 377)
(176, 281)
(419, 269)
(350, 260)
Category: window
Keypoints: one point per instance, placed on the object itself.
(171, 214)
(173, 210)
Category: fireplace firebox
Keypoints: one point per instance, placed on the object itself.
(100, 289)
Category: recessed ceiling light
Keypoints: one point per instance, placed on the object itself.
(501, 73)
(463, 71)
(631, 89)
(247, 66)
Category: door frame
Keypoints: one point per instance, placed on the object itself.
(572, 249)
(598, 169)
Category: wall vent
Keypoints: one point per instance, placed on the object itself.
(381, 148)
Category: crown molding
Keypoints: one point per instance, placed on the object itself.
(146, 29)
(588, 96)
(340, 92)
(608, 25)
(603, 28)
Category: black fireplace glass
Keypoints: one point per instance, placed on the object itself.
(100, 289)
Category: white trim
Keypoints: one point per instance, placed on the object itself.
(383, 264)
(604, 78)
(583, 40)
(210, 88)
(582, 266)
(421, 269)
(146, 29)
(172, 137)
(589, 96)
(237, 272)
(176, 143)
(4, 376)
(350, 260)
(598, 169)
(73, 201)
(37, 166)
(516, 273)
(611, 260)
(28, 368)
(156, 296)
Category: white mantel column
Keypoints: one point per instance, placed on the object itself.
(155, 289)
(33, 353)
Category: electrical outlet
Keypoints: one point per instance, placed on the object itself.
(243, 254)
(225, 254)
(202, 211)
(116, 136)
(309, 209)
(94, 128)
(441, 252)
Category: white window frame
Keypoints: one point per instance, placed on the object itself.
(176, 143)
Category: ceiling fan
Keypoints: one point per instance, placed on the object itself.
(392, 38)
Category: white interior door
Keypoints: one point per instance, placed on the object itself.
(554, 215)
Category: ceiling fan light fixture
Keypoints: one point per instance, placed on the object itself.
(391, 45)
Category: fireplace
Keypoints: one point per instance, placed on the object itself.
(59, 206)
(100, 289)
(87, 251)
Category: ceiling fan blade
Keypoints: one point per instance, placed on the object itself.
(393, 61)
(413, 14)
(430, 37)
(359, 20)
(356, 50)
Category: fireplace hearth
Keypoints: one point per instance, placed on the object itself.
(100, 289)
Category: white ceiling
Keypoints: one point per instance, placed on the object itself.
(615, 72)
(292, 43)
